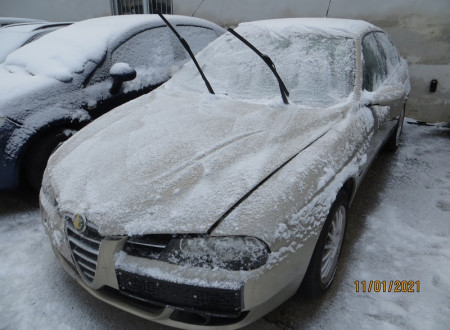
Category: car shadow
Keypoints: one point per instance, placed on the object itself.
(18, 201)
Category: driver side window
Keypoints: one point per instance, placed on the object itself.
(150, 48)
(149, 52)
(374, 64)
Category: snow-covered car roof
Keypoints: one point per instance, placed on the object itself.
(64, 52)
(325, 26)
(30, 26)
(4, 21)
(14, 36)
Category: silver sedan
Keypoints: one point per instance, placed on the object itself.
(213, 199)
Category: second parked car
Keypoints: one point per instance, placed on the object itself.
(58, 84)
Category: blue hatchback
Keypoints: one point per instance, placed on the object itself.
(56, 85)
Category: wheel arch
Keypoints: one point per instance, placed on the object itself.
(350, 188)
(39, 134)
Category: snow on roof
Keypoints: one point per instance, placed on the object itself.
(66, 51)
(330, 26)
(15, 35)
(4, 21)
(23, 27)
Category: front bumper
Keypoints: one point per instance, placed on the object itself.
(183, 297)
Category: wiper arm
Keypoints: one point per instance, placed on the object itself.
(268, 61)
(188, 49)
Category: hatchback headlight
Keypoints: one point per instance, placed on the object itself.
(233, 253)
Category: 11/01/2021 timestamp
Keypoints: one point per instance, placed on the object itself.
(387, 286)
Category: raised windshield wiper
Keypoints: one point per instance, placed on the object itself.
(268, 61)
(188, 49)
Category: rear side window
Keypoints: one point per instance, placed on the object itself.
(374, 63)
(389, 50)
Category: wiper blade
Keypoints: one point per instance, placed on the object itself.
(268, 61)
(188, 49)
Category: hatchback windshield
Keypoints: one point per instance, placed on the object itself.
(318, 70)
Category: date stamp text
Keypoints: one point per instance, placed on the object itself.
(387, 286)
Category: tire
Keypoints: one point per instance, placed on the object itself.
(38, 154)
(324, 261)
(394, 140)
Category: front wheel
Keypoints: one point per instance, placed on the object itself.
(394, 140)
(36, 159)
(324, 261)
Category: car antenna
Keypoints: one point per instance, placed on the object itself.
(188, 49)
(329, 3)
(268, 61)
(201, 3)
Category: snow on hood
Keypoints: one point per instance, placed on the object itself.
(174, 162)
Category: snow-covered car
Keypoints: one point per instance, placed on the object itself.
(15, 36)
(5, 21)
(200, 210)
(52, 87)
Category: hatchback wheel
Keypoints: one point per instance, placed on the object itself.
(394, 140)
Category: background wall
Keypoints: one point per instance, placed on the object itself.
(55, 10)
(420, 29)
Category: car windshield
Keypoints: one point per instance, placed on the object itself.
(318, 69)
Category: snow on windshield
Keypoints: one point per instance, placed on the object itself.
(317, 69)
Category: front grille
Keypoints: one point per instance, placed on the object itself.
(85, 247)
(213, 301)
(148, 246)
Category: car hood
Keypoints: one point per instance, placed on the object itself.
(175, 162)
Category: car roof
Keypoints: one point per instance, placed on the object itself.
(325, 26)
(15, 36)
(110, 27)
(5, 21)
(60, 53)
(33, 26)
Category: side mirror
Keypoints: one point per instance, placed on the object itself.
(383, 95)
(120, 72)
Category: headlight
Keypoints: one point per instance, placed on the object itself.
(47, 191)
(233, 253)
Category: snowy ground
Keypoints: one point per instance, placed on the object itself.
(399, 230)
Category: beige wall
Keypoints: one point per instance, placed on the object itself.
(55, 10)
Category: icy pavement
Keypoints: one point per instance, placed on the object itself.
(399, 230)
